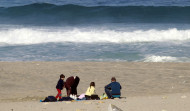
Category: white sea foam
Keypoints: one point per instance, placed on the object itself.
(154, 58)
(36, 36)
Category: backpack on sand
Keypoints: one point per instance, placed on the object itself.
(50, 99)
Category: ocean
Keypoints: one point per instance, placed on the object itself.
(95, 30)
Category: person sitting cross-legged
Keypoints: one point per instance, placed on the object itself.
(113, 89)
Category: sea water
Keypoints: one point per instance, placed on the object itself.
(95, 30)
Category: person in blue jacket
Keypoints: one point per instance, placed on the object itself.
(113, 89)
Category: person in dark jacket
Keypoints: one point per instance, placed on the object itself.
(60, 85)
(71, 85)
(113, 89)
(74, 86)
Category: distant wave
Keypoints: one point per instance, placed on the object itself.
(154, 58)
(37, 36)
(50, 14)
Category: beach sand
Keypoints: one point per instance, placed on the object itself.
(146, 86)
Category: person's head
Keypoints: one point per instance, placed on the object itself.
(62, 76)
(92, 84)
(113, 79)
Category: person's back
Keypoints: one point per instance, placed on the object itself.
(113, 89)
(69, 82)
(90, 91)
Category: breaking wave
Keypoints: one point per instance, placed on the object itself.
(37, 36)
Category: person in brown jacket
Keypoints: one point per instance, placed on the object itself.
(71, 85)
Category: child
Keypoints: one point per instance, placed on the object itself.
(60, 85)
(90, 91)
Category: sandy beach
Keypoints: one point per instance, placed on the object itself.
(146, 86)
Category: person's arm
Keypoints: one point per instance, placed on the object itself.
(108, 86)
(69, 91)
(120, 86)
(63, 84)
(87, 91)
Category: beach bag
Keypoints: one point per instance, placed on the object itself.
(66, 99)
(104, 96)
(50, 99)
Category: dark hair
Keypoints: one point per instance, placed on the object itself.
(113, 79)
(62, 76)
(92, 84)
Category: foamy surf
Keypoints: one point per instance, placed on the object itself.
(38, 35)
(154, 58)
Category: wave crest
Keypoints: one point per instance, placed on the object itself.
(154, 58)
(36, 36)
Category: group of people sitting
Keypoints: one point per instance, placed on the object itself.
(112, 90)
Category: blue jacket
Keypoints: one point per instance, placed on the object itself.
(115, 88)
(60, 84)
